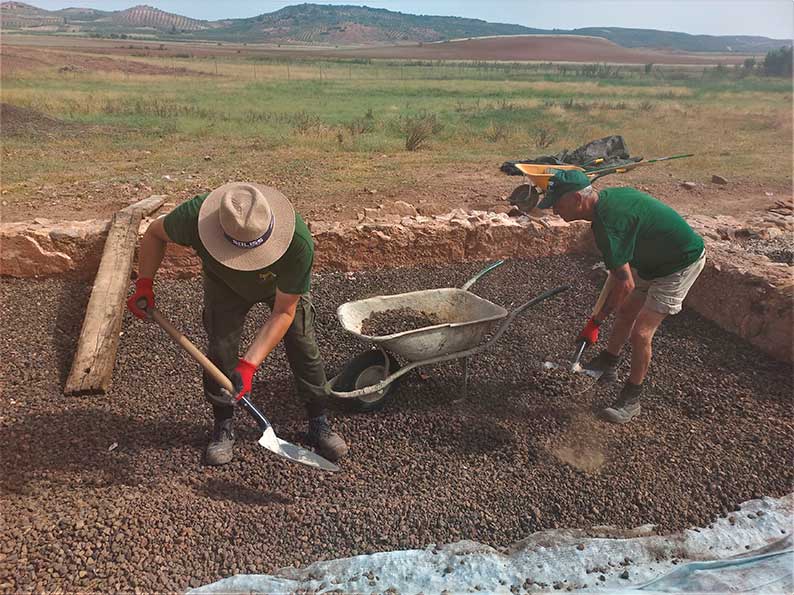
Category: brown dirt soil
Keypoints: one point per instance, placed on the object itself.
(17, 59)
(544, 48)
(108, 494)
(431, 189)
(20, 121)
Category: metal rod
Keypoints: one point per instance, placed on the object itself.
(579, 351)
(465, 378)
(261, 420)
(481, 274)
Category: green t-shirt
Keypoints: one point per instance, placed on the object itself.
(290, 274)
(633, 227)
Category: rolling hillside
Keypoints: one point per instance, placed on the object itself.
(324, 25)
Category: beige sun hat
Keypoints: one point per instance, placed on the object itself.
(246, 226)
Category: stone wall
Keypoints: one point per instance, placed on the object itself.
(42, 248)
(744, 293)
(748, 296)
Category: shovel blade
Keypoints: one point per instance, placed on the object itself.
(576, 368)
(294, 453)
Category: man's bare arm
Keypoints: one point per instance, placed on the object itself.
(622, 287)
(152, 249)
(274, 328)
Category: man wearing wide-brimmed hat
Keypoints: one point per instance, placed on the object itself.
(254, 248)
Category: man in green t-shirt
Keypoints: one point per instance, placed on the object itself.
(653, 257)
(254, 248)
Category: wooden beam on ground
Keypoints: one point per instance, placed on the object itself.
(92, 368)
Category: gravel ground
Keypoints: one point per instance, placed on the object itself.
(779, 249)
(108, 493)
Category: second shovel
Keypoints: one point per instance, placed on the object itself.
(269, 440)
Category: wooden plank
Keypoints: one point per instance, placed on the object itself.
(92, 367)
(147, 206)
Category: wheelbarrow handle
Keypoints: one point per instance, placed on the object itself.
(482, 274)
(537, 299)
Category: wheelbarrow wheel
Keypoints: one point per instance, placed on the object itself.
(366, 369)
(524, 197)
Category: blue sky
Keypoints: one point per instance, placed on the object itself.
(769, 18)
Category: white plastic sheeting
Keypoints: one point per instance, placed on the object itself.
(749, 551)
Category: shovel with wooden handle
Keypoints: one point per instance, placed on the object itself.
(576, 365)
(269, 439)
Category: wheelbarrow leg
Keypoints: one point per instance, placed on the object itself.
(465, 390)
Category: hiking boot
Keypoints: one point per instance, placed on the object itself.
(220, 448)
(328, 443)
(626, 407)
(604, 366)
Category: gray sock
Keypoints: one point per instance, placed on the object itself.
(631, 392)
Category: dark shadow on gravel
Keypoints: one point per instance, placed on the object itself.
(218, 489)
(72, 304)
(76, 445)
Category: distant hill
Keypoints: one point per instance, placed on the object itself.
(341, 26)
(138, 19)
(314, 23)
(147, 16)
(644, 38)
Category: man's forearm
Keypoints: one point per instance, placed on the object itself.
(268, 337)
(623, 286)
(151, 254)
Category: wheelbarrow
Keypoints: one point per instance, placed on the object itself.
(467, 319)
(527, 196)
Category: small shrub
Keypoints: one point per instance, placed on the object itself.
(418, 129)
(646, 106)
(572, 104)
(496, 132)
(362, 125)
(303, 122)
(544, 137)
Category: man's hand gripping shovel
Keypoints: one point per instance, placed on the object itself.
(269, 439)
(576, 364)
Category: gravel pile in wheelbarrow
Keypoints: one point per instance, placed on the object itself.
(108, 494)
(398, 320)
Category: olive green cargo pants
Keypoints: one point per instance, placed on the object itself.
(223, 317)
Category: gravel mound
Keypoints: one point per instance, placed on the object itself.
(779, 249)
(398, 320)
(17, 120)
(105, 494)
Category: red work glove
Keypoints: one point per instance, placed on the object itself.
(242, 377)
(143, 291)
(589, 333)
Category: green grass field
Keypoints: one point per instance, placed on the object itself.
(273, 119)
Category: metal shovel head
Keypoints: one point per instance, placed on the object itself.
(294, 453)
(576, 368)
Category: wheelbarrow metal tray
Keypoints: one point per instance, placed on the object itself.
(540, 174)
(469, 317)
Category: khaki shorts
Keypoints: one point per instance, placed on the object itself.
(665, 295)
